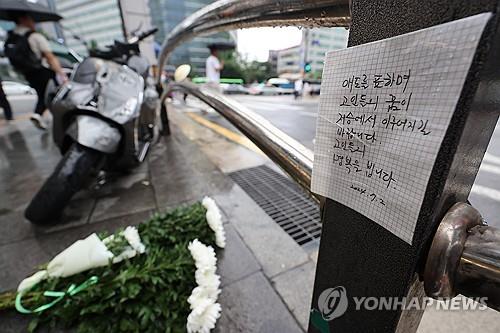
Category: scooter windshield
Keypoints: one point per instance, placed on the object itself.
(121, 92)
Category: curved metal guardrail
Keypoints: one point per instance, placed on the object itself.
(464, 258)
(465, 254)
(224, 15)
(295, 159)
(473, 269)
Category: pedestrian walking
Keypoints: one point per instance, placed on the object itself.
(298, 86)
(4, 103)
(213, 68)
(307, 91)
(30, 54)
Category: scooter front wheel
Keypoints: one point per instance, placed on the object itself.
(68, 178)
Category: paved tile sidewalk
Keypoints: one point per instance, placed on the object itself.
(258, 254)
(266, 277)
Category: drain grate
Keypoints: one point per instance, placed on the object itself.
(283, 201)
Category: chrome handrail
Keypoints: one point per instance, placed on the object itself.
(464, 256)
(295, 159)
(473, 270)
(224, 15)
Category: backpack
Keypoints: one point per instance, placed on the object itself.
(20, 54)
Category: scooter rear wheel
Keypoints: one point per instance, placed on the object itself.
(69, 176)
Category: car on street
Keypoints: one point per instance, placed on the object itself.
(12, 88)
(283, 86)
(22, 98)
(262, 89)
(233, 88)
(269, 89)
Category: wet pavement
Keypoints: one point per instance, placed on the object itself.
(266, 277)
(175, 172)
(297, 118)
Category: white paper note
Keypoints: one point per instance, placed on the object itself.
(384, 110)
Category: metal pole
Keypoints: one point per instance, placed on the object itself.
(478, 273)
(122, 18)
(465, 255)
(357, 253)
(464, 258)
(295, 159)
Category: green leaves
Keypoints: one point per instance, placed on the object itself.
(147, 293)
(118, 244)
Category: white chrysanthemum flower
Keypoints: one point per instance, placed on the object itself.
(135, 247)
(204, 318)
(204, 256)
(127, 253)
(206, 261)
(200, 294)
(132, 236)
(205, 310)
(207, 279)
(214, 220)
(201, 305)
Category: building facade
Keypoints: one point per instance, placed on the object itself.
(98, 23)
(166, 14)
(315, 43)
(273, 60)
(136, 17)
(289, 60)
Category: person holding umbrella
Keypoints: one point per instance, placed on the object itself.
(29, 51)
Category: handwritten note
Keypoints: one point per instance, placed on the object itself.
(384, 110)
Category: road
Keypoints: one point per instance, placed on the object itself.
(297, 118)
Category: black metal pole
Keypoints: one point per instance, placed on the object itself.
(357, 253)
(122, 18)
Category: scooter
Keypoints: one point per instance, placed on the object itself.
(104, 118)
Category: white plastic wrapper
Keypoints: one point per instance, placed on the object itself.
(83, 255)
(79, 257)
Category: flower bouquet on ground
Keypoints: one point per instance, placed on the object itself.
(158, 277)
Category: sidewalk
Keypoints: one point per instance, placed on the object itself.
(262, 268)
(266, 277)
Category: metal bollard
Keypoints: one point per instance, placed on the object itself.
(464, 257)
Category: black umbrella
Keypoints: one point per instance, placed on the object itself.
(222, 46)
(40, 13)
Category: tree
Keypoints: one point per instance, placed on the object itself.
(232, 68)
(93, 44)
(237, 68)
(258, 71)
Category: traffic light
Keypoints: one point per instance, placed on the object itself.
(307, 67)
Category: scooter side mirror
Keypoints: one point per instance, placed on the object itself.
(182, 72)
